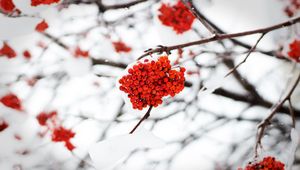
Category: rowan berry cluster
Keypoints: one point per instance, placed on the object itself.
(294, 52)
(268, 163)
(177, 16)
(292, 8)
(12, 101)
(58, 132)
(148, 82)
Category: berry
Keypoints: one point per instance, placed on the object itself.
(61, 134)
(120, 46)
(42, 26)
(177, 16)
(43, 117)
(268, 163)
(81, 53)
(7, 6)
(147, 83)
(3, 126)
(12, 101)
(43, 2)
(294, 52)
(27, 54)
(7, 51)
(292, 8)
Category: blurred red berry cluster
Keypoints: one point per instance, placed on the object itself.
(43, 2)
(7, 6)
(3, 125)
(120, 46)
(42, 26)
(292, 8)
(44, 117)
(61, 134)
(81, 53)
(148, 82)
(294, 51)
(177, 16)
(12, 101)
(268, 163)
(58, 132)
(7, 51)
(26, 54)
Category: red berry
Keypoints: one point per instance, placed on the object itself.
(3, 126)
(43, 117)
(12, 101)
(292, 8)
(42, 26)
(81, 53)
(7, 51)
(294, 52)
(27, 54)
(120, 46)
(7, 6)
(61, 134)
(43, 2)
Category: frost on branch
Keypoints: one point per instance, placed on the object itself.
(292, 150)
(107, 154)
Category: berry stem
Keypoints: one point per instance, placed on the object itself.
(147, 114)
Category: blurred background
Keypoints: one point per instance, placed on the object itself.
(72, 68)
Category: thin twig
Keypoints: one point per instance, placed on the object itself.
(262, 126)
(191, 7)
(247, 56)
(147, 114)
(222, 37)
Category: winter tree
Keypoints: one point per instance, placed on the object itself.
(149, 84)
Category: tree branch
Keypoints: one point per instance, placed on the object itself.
(147, 114)
(265, 30)
(263, 125)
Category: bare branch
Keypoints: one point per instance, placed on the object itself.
(147, 114)
(248, 54)
(262, 126)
